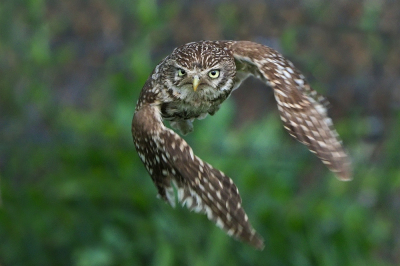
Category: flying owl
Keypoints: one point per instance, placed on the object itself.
(193, 82)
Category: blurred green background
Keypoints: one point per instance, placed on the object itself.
(74, 191)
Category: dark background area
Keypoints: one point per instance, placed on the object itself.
(74, 191)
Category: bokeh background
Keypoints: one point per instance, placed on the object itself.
(74, 192)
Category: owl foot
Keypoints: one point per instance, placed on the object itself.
(184, 126)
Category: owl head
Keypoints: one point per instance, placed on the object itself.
(201, 69)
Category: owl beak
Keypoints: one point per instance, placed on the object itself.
(196, 82)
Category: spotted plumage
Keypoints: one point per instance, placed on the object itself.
(191, 83)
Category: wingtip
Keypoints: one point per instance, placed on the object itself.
(257, 242)
(345, 177)
(259, 245)
(345, 174)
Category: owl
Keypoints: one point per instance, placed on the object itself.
(193, 82)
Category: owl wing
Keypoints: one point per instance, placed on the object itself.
(301, 109)
(173, 166)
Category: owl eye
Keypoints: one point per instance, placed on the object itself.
(213, 74)
(181, 72)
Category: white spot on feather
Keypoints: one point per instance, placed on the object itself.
(287, 75)
(219, 223)
(169, 192)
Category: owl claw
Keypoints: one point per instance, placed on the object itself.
(184, 126)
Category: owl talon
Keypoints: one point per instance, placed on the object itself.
(184, 126)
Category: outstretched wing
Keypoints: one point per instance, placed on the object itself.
(171, 162)
(301, 109)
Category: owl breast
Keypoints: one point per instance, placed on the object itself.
(186, 104)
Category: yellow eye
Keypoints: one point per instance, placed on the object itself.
(213, 74)
(181, 72)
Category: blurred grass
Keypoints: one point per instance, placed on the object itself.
(74, 191)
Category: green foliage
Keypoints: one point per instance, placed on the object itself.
(74, 191)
